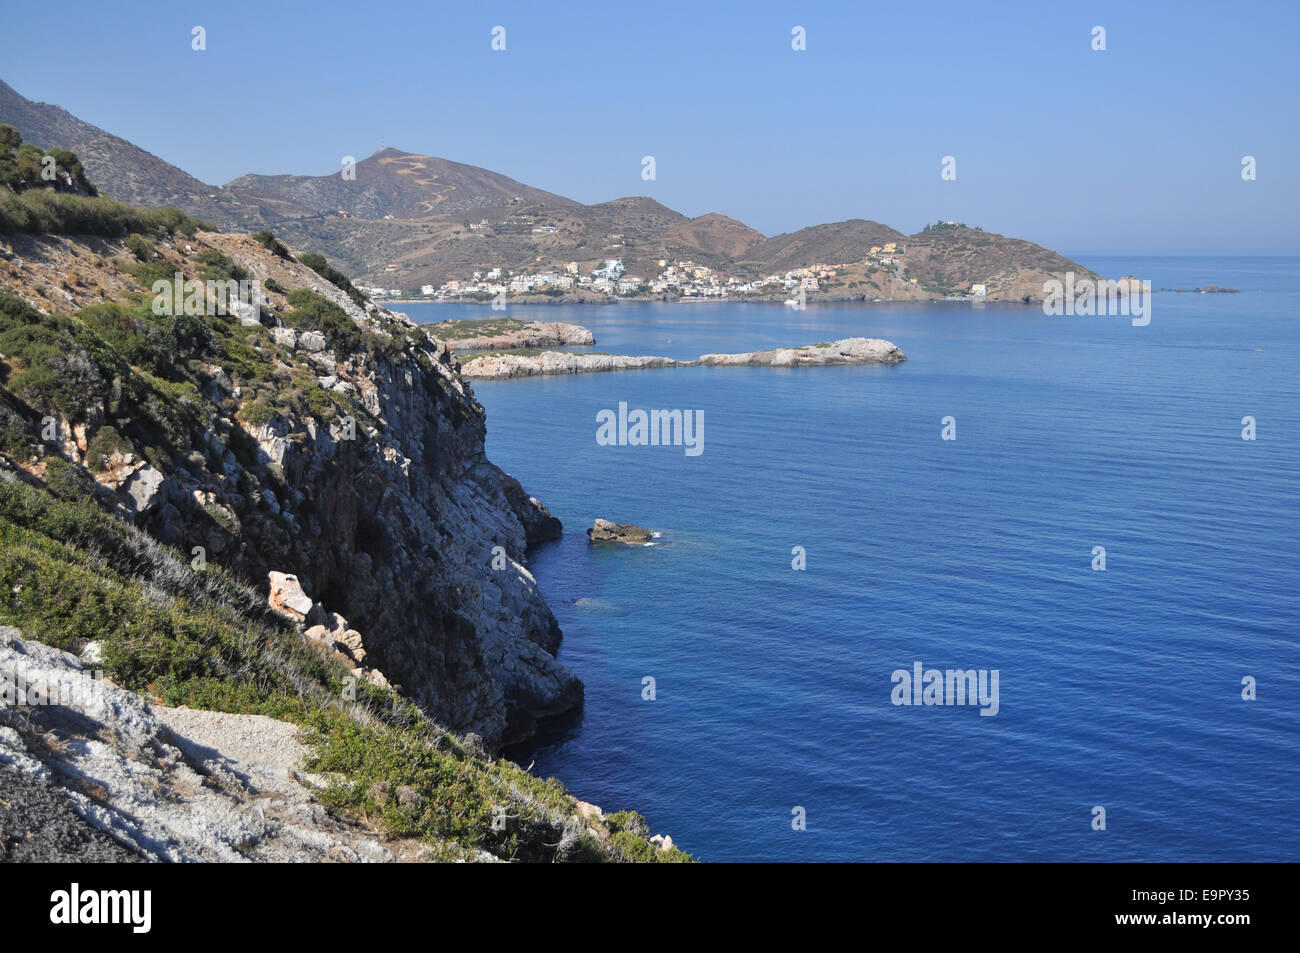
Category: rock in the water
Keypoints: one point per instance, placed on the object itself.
(847, 351)
(495, 335)
(606, 532)
(493, 366)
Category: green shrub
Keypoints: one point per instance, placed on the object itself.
(140, 246)
(268, 241)
(41, 212)
(67, 481)
(106, 442)
(257, 414)
(158, 343)
(15, 434)
(314, 312)
(217, 267)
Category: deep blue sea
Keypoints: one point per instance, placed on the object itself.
(1119, 689)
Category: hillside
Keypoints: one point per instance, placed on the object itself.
(413, 220)
(119, 168)
(831, 243)
(274, 501)
(402, 185)
(712, 234)
(949, 259)
(131, 174)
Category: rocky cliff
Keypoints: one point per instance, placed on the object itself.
(302, 432)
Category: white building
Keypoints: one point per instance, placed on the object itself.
(611, 269)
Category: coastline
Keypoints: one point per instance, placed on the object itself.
(500, 365)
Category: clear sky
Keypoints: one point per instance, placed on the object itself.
(1138, 147)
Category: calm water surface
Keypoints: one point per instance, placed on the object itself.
(1119, 688)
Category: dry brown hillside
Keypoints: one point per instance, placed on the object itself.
(948, 260)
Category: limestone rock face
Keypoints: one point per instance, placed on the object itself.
(287, 598)
(539, 525)
(381, 507)
(312, 341)
(142, 488)
(165, 784)
(395, 531)
(603, 531)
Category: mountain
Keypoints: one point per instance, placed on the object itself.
(116, 166)
(402, 185)
(130, 174)
(715, 234)
(950, 257)
(831, 243)
(411, 220)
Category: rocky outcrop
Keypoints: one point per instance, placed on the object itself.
(847, 351)
(508, 334)
(287, 599)
(501, 366)
(328, 631)
(127, 780)
(539, 525)
(397, 530)
(373, 489)
(604, 531)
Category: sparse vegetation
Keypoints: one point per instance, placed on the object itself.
(313, 312)
(38, 212)
(163, 390)
(71, 574)
(272, 244)
(318, 264)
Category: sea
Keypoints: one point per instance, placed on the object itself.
(1097, 534)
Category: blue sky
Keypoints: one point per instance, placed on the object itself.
(1135, 148)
